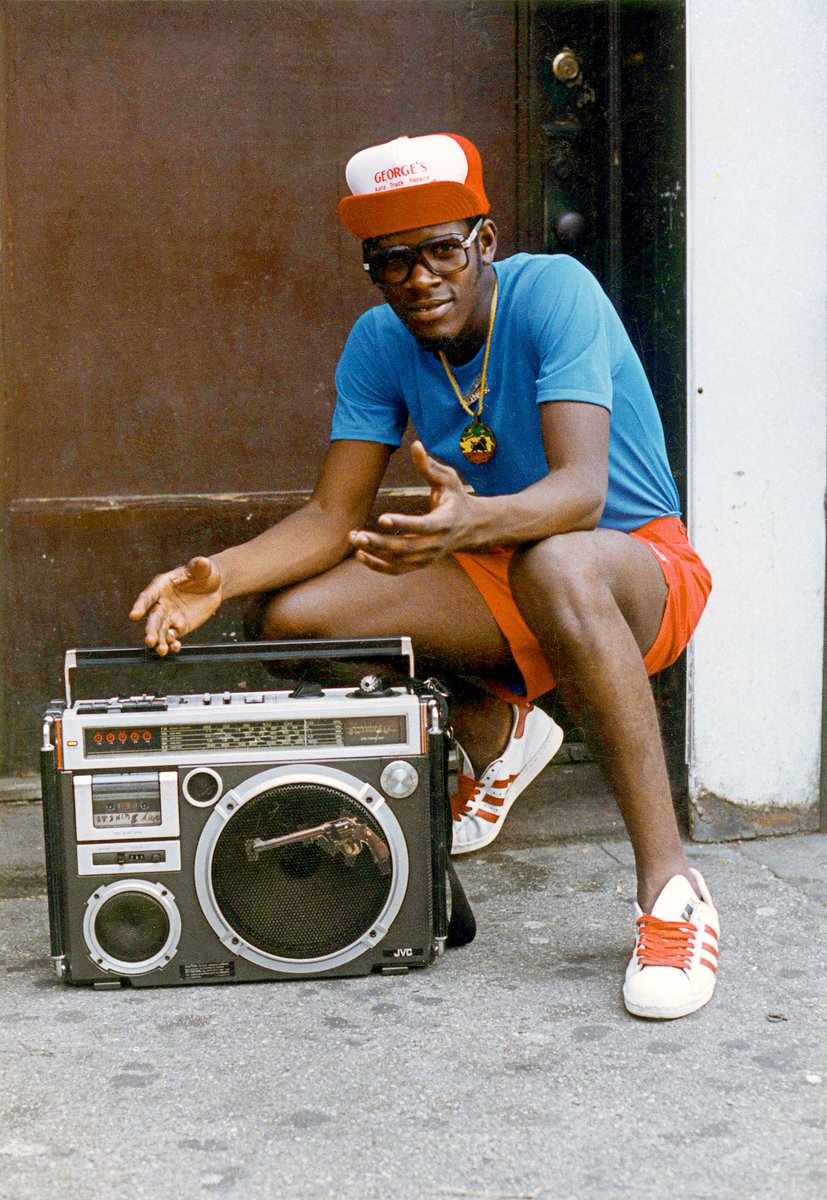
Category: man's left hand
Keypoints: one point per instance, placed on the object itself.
(416, 541)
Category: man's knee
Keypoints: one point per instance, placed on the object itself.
(557, 580)
(276, 616)
(556, 565)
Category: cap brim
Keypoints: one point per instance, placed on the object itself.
(379, 213)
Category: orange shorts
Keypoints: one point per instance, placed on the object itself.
(687, 579)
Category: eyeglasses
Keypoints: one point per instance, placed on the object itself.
(442, 256)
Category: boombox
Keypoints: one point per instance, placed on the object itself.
(248, 835)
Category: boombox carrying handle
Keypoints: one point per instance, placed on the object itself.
(365, 649)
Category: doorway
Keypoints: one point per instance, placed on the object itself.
(602, 176)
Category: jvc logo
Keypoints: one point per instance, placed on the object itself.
(403, 952)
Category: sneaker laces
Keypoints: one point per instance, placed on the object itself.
(462, 801)
(665, 943)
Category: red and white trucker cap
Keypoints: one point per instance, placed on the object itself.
(412, 182)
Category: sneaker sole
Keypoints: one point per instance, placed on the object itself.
(542, 756)
(669, 1014)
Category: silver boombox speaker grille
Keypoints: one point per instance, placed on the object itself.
(240, 836)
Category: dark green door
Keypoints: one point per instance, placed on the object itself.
(603, 179)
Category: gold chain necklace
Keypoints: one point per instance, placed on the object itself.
(477, 441)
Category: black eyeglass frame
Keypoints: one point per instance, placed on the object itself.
(414, 254)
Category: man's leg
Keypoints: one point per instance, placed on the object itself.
(595, 601)
(453, 633)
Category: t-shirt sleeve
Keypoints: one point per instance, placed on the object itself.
(569, 315)
(369, 403)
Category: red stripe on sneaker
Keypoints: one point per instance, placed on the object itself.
(492, 817)
(504, 783)
(711, 949)
(706, 963)
(522, 705)
(521, 720)
(714, 932)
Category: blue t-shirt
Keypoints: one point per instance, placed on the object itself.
(557, 337)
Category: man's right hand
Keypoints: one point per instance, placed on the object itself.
(177, 602)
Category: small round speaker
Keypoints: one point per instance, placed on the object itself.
(132, 926)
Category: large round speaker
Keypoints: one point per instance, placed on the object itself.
(301, 869)
(132, 926)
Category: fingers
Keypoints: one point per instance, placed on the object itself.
(394, 555)
(396, 566)
(436, 473)
(161, 633)
(394, 546)
(418, 524)
(146, 599)
(198, 571)
(161, 602)
(165, 641)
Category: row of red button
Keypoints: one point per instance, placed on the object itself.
(134, 736)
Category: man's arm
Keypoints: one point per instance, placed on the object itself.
(309, 541)
(570, 497)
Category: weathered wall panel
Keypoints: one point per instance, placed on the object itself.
(177, 287)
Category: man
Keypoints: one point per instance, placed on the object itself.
(567, 562)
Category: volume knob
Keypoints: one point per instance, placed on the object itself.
(371, 684)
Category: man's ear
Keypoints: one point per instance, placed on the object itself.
(487, 242)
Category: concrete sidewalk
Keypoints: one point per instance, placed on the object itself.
(508, 1070)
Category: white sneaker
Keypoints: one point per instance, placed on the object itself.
(480, 806)
(675, 960)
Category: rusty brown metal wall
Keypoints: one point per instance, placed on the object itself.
(176, 286)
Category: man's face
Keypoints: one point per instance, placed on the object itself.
(440, 309)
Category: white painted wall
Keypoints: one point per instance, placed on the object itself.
(757, 220)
